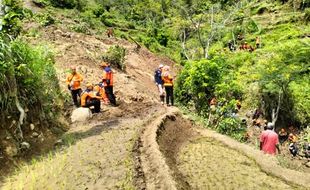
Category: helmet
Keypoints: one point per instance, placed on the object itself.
(161, 66)
(73, 67)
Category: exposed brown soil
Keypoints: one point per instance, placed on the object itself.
(139, 144)
(138, 103)
(171, 136)
(201, 159)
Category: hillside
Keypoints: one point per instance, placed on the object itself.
(141, 144)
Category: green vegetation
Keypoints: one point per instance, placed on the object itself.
(195, 34)
(116, 57)
(27, 78)
(25, 71)
(273, 75)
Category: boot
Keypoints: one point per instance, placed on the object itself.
(162, 99)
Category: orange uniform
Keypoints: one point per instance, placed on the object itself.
(87, 95)
(168, 80)
(74, 80)
(101, 93)
(107, 77)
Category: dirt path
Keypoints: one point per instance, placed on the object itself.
(101, 155)
(101, 158)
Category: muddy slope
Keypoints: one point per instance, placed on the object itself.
(198, 160)
(171, 136)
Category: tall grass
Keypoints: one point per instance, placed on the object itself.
(28, 73)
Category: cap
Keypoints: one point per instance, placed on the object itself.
(161, 66)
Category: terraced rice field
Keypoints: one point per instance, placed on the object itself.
(207, 164)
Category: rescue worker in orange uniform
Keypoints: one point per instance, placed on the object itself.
(107, 80)
(90, 98)
(168, 84)
(73, 82)
(100, 90)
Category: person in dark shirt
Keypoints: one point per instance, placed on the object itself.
(159, 83)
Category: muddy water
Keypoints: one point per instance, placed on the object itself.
(203, 163)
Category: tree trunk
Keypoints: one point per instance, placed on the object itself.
(21, 117)
(184, 45)
(275, 112)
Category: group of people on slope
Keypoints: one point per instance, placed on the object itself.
(164, 83)
(270, 141)
(243, 44)
(93, 94)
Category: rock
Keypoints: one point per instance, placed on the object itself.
(58, 143)
(32, 126)
(81, 114)
(41, 137)
(11, 150)
(35, 134)
(83, 70)
(308, 164)
(24, 145)
(58, 32)
(249, 114)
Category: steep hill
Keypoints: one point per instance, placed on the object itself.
(141, 144)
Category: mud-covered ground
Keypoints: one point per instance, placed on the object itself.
(207, 164)
(135, 145)
(199, 162)
(100, 158)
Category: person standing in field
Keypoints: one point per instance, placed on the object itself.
(168, 84)
(159, 83)
(73, 82)
(107, 80)
(269, 141)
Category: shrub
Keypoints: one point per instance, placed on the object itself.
(10, 21)
(307, 15)
(197, 83)
(45, 19)
(232, 126)
(69, 4)
(28, 73)
(41, 3)
(116, 56)
(82, 27)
